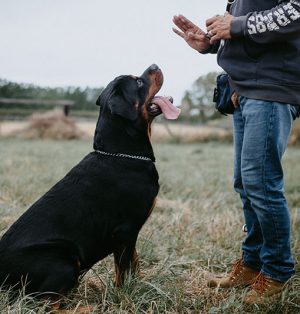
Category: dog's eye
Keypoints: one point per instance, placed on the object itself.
(139, 83)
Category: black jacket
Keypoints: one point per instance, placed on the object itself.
(263, 56)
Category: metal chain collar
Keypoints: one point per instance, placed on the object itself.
(123, 155)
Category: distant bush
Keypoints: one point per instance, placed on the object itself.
(197, 103)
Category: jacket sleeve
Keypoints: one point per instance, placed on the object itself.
(277, 24)
(212, 48)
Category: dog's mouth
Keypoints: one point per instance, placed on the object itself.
(156, 105)
(163, 105)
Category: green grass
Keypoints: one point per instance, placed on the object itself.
(195, 229)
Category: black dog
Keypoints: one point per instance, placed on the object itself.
(99, 207)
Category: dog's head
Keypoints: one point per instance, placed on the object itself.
(133, 97)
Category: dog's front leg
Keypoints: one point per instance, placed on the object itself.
(126, 260)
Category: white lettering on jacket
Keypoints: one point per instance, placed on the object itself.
(271, 21)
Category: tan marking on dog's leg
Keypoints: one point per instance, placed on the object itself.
(79, 310)
(119, 276)
(135, 267)
(152, 207)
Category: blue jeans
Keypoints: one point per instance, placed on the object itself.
(261, 132)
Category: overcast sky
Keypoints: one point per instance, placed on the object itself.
(89, 42)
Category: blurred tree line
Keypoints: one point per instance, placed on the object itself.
(84, 98)
(197, 103)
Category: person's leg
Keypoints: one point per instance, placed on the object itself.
(247, 267)
(267, 128)
(253, 240)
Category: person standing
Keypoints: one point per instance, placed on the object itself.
(258, 44)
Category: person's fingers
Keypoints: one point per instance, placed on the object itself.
(209, 35)
(187, 22)
(214, 39)
(235, 99)
(212, 26)
(176, 31)
(179, 23)
(211, 20)
(209, 28)
(189, 25)
(197, 37)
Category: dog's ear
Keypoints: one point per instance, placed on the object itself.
(98, 101)
(105, 93)
(123, 102)
(122, 107)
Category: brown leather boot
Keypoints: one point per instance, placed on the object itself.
(240, 276)
(263, 289)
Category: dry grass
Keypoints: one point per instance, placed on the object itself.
(54, 125)
(182, 133)
(194, 231)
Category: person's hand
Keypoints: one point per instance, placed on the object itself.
(235, 99)
(218, 27)
(191, 33)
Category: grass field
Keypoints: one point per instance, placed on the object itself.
(195, 229)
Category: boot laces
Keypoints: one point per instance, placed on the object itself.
(237, 268)
(260, 283)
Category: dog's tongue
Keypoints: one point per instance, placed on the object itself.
(170, 111)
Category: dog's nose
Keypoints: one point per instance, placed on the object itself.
(153, 70)
(154, 67)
